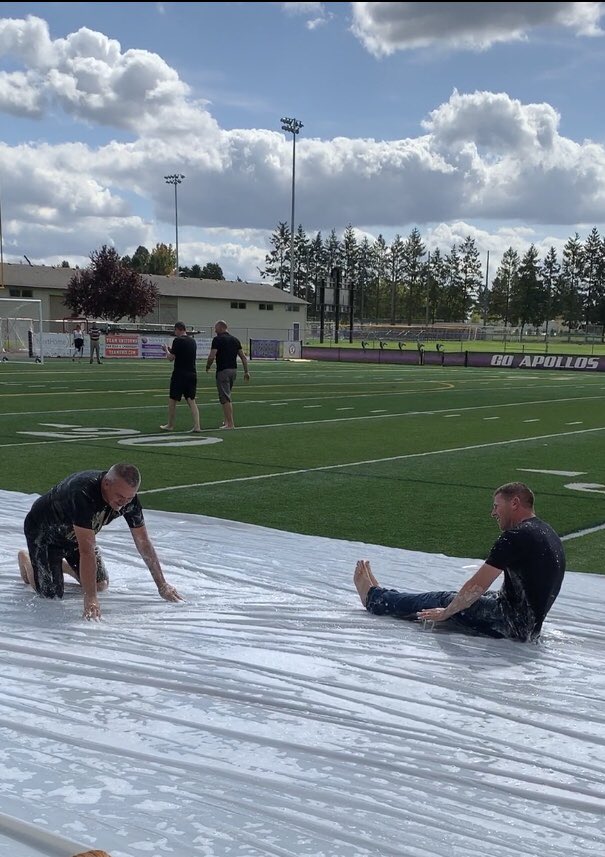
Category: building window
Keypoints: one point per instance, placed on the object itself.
(292, 307)
(238, 305)
(21, 293)
(265, 306)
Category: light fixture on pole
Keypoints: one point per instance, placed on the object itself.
(292, 126)
(175, 179)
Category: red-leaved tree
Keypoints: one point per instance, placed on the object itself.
(110, 289)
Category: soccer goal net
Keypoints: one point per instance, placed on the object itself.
(21, 337)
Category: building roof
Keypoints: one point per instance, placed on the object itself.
(49, 277)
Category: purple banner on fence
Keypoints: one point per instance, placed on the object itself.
(536, 361)
(264, 349)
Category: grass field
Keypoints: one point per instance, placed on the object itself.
(394, 455)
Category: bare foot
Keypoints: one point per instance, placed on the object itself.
(194, 431)
(25, 568)
(371, 574)
(167, 428)
(364, 580)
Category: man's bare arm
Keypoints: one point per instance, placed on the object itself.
(244, 360)
(88, 571)
(211, 359)
(473, 589)
(150, 557)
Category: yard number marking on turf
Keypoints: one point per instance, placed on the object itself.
(130, 437)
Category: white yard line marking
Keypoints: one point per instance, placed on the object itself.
(531, 421)
(449, 416)
(491, 418)
(305, 422)
(552, 472)
(576, 423)
(370, 461)
(579, 533)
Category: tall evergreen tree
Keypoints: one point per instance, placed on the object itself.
(472, 276)
(301, 274)
(395, 274)
(529, 298)
(317, 265)
(594, 275)
(550, 273)
(380, 270)
(412, 265)
(436, 285)
(504, 285)
(570, 284)
(365, 275)
(277, 261)
(453, 292)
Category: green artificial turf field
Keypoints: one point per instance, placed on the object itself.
(394, 455)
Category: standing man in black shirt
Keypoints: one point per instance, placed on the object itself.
(183, 382)
(528, 552)
(225, 349)
(61, 527)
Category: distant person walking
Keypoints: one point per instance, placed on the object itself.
(78, 336)
(95, 342)
(225, 349)
(183, 381)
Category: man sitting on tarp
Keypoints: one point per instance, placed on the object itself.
(528, 552)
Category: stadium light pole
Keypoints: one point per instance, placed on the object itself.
(292, 126)
(175, 179)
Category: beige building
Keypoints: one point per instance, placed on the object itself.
(252, 310)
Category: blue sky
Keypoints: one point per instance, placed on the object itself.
(457, 118)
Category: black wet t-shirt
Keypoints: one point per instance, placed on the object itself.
(532, 558)
(227, 348)
(77, 501)
(184, 349)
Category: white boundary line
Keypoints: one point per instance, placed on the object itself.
(314, 398)
(369, 461)
(579, 533)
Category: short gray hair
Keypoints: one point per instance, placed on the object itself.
(519, 490)
(128, 473)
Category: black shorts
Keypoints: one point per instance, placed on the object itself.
(183, 384)
(78, 344)
(46, 562)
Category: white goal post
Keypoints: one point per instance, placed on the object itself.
(21, 330)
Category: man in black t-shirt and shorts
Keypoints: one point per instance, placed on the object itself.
(61, 527)
(225, 349)
(183, 382)
(528, 552)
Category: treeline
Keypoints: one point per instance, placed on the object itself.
(403, 283)
(162, 261)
